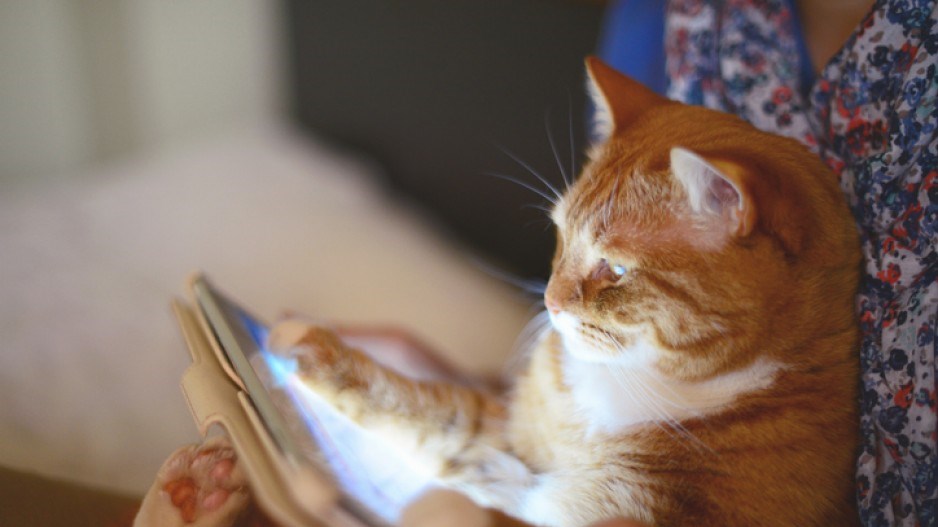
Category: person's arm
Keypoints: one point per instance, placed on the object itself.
(827, 25)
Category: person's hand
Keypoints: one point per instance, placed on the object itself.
(446, 507)
(619, 523)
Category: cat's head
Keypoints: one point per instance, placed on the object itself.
(689, 235)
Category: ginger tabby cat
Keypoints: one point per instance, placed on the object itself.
(700, 368)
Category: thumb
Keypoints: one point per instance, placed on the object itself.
(446, 507)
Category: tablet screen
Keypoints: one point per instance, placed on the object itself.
(375, 481)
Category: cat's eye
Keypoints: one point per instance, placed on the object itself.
(609, 272)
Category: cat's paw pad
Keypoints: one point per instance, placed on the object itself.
(199, 485)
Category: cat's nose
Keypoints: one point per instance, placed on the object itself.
(551, 304)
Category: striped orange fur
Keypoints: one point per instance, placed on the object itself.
(701, 364)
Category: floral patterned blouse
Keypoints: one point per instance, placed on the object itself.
(871, 115)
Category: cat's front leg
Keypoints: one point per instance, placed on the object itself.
(455, 432)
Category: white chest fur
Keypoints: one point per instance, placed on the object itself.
(616, 395)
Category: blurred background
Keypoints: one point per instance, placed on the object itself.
(329, 156)
(88, 81)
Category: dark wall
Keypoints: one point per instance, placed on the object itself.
(435, 89)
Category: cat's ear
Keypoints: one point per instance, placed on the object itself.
(715, 188)
(617, 99)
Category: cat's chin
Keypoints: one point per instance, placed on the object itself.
(589, 343)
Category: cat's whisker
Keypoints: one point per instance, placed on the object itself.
(533, 172)
(673, 393)
(622, 350)
(695, 413)
(535, 206)
(529, 286)
(643, 397)
(572, 149)
(534, 330)
(651, 397)
(553, 148)
(527, 340)
(639, 398)
(532, 188)
(654, 401)
(545, 221)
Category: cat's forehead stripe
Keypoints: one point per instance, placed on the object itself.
(596, 198)
(613, 196)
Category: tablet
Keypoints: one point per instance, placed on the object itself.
(322, 448)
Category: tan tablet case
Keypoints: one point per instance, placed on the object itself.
(216, 397)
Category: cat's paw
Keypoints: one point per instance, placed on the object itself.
(199, 485)
(323, 361)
